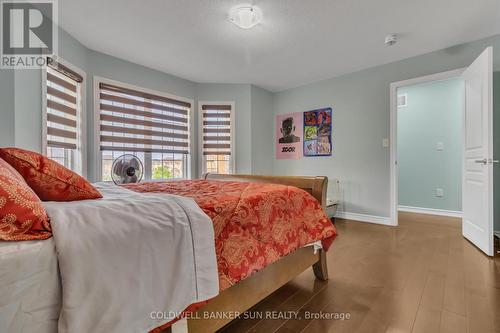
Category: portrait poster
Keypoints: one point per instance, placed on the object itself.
(318, 132)
(289, 136)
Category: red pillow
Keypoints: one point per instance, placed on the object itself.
(50, 180)
(22, 215)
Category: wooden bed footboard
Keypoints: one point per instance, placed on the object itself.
(249, 292)
(316, 185)
(254, 289)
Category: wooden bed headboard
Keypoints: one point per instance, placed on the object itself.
(316, 185)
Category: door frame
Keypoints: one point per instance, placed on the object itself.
(393, 127)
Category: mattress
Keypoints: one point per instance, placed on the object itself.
(255, 224)
(30, 292)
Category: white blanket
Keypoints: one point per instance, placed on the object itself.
(128, 255)
(30, 289)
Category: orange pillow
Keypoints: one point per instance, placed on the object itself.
(50, 180)
(22, 215)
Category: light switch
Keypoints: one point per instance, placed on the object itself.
(439, 146)
(439, 192)
(385, 142)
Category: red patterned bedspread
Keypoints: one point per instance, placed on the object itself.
(255, 224)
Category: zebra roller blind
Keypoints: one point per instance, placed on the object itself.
(62, 106)
(136, 121)
(216, 129)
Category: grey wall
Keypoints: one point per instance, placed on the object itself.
(105, 66)
(262, 131)
(254, 123)
(27, 94)
(22, 103)
(360, 104)
(433, 114)
(28, 101)
(7, 114)
(240, 94)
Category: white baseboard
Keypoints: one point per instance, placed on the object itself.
(430, 211)
(365, 218)
(496, 233)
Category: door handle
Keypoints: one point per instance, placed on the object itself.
(486, 161)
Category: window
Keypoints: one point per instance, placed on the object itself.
(217, 134)
(153, 127)
(63, 116)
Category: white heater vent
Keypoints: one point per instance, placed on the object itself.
(402, 100)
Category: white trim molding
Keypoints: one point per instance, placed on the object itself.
(365, 218)
(496, 233)
(393, 129)
(430, 211)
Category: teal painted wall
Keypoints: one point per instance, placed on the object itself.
(360, 103)
(254, 123)
(433, 114)
(21, 107)
(262, 131)
(105, 66)
(7, 114)
(27, 94)
(240, 94)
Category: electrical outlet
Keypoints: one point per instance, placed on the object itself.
(439, 192)
(439, 146)
(385, 142)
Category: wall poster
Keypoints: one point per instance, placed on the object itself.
(318, 132)
(289, 136)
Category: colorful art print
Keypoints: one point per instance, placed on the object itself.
(318, 117)
(324, 130)
(323, 145)
(310, 148)
(289, 136)
(318, 132)
(325, 117)
(310, 119)
(310, 132)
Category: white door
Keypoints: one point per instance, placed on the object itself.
(477, 185)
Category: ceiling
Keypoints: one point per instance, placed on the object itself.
(298, 42)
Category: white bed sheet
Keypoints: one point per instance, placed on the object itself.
(30, 287)
(129, 254)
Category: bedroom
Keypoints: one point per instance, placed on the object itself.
(189, 57)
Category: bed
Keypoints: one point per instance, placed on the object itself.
(240, 288)
(250, 291)
(30, 293)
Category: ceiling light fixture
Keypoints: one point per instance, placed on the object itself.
(245, 16)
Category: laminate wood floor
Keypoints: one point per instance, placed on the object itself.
(421, 276)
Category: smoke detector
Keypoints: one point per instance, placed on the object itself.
(391, 39)
(245, 16)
